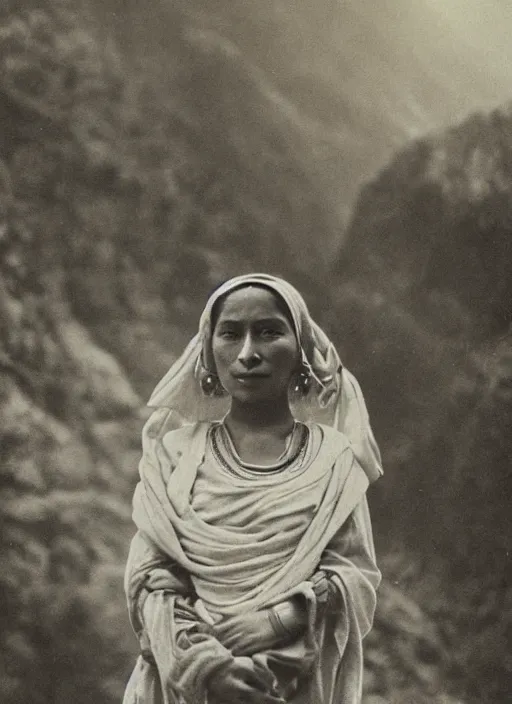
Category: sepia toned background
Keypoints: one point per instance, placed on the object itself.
(360, 148)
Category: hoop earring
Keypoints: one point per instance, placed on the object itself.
(302, 384)
(210, 384)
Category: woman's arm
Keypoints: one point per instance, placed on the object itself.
(346, 577)
(192, 663)
(189, 658)
(148, 569)
(349, 563)
(261, 630)
(347, 568)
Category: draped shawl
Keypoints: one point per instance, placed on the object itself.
(232, 573)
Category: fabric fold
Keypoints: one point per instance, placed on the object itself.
(230, 580)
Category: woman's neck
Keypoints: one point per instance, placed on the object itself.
(260, 417)
(260, 432)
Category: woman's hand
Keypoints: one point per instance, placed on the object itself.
(240, 682)
(324, 588)
(262, 630)
(249, 633)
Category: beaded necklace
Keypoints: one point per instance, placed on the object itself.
(226, 454)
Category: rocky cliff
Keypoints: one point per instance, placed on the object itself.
(424, 312)
(120, 208)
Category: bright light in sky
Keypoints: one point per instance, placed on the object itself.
(462, 47)
(484, 26)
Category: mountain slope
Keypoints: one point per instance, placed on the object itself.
(357, 79)
(117, 215)
(424, 314)
(120, 208)
(122, 204)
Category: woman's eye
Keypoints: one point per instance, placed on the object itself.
(227, 334)
(270, 333)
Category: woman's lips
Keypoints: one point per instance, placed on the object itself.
(249, 379)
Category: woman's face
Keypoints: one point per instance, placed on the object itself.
(254, 346)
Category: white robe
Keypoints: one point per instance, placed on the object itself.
(218, 535)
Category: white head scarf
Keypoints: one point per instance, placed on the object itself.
(335, 398)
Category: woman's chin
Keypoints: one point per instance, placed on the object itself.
(249, 396)
(256, 390)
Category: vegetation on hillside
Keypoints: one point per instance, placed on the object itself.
(427, 296)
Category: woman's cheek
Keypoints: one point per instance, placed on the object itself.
(287, 354)
(223, 358)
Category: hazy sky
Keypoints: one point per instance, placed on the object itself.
(360, 78)
(477, 33)
(431, 62)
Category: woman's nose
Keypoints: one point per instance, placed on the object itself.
(248, 355)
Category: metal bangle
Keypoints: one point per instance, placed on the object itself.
(276, 623)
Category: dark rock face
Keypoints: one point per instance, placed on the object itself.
(442, 210)
(122, 205)
(69, 417)
(424, 312)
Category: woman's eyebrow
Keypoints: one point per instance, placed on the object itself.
(228, 321)
(271, 321)
(258, 321)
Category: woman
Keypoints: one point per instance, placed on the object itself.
(252, 576)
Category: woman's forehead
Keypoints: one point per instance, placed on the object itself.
(251, 302)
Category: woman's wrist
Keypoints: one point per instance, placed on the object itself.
(277, 624)
(289, 617)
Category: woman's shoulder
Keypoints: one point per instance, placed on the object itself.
(334, 454)
(341, 450)
(188, 429)
(332, 438)
(187, 437)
